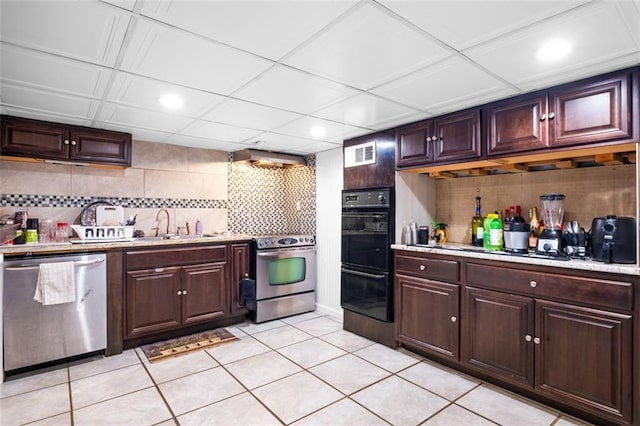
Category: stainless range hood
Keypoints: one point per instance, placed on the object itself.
(268, 158)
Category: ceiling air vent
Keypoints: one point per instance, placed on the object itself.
(359, 155)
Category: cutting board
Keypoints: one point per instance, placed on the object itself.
(109, 215)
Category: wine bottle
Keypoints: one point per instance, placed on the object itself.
(477, 229)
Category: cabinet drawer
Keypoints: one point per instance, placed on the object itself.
(441, 269)
(579, 290)
(175, 256)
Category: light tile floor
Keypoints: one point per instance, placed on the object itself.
(303, 370)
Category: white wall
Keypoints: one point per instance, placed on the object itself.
(329, 183)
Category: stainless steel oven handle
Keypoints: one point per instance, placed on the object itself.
(362, 274)
(279, 252)
(29, 268)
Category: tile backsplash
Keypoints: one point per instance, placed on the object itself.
(590, 192)
(191, 183)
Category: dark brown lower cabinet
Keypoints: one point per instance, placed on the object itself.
(152, 300)
(563, 336)
(204, 297)
(429, 314)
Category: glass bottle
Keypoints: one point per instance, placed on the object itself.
(535, 228)
(477, 226)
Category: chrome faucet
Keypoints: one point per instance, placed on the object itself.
(158, 220)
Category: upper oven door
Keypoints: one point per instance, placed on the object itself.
(285, 271)
(365, 239)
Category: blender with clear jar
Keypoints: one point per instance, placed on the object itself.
(551, 240)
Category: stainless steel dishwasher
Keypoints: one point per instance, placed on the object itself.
(36, 333)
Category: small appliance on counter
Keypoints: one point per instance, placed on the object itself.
(613, 239)
(516, 237)
(551, 240)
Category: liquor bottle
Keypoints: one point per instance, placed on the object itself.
(477, 228)
(517, 218)
(534, 228)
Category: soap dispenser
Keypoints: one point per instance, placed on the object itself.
(198, 227)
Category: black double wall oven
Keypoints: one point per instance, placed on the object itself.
(367, 234)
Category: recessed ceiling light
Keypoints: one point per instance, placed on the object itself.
(318, 131)
(553, 50)
(171, 101)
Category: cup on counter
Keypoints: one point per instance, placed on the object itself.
(46, 231)
(62, 232)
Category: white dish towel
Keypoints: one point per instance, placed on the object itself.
(55, 283)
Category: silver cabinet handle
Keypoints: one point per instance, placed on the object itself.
(422, 267)
(158, 270)
(527, 337)
(184, 292)
(543, 117)
(552, 116)
(73, 143)
(536, 340)
(428, 138)
(179, 292)
(454, 319)
(533, 283)
(66, 141)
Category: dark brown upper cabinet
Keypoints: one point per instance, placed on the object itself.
(452, 137)
(380, 173)
(591, 111)
(23, 137)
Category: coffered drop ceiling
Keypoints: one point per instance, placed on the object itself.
(262, 74)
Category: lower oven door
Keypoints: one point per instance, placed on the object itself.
(367, 291)
(280, 272)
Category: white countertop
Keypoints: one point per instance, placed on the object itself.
(459, 250)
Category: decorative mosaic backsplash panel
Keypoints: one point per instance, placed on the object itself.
(277, 200)
(25, 200)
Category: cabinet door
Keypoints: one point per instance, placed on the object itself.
(204, 295)
(596, 110)
(457, 136)
(428, 314)
(585, 356)
(517, 125)
(239, 268)
(152, 299)
(32, 138)
(415, 144)
(499, 334)
(100, 146)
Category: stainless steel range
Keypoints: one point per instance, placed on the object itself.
(285, 273)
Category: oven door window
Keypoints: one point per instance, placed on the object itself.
(365, 239)
(286, 271)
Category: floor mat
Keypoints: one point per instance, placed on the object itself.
(170, 348)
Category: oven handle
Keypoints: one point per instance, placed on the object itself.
(279, 252)
(363, 274)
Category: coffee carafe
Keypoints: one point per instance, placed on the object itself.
(552, 208)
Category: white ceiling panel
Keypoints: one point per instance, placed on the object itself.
(35, 99)
(249, 115)
(335, 132)
(463, 23)
(195, 142)
(454, 83)
(86, 30)
(598, 33)
(276, 142)
(222, 132)
(50, 72)
(144, 92)
(362, 50)
(292, 90)
(270, 29)
(162, 52)
(45, 115)
(136, 117)
(312, 148)
(366, 110)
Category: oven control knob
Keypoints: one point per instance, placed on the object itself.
(381, 199)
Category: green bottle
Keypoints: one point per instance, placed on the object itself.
(496, 235)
